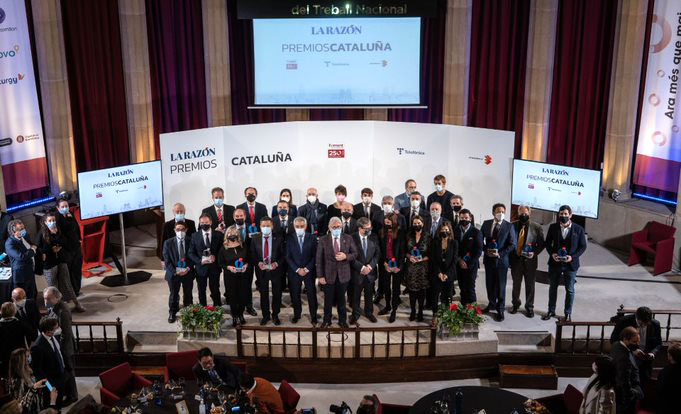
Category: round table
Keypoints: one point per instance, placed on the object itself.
(191, 388)
(492, 400)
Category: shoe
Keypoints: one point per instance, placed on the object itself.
(343, 325)
(353, 320)
(295, 319)
(384, 311)
(79, 309)
(171, 318)
(548, 316)
(487, 309)
(251, 311)
(242, 321)
(419, 318)
(567, 318)
(235, 322)
(530, 313)
(325, 325)
(513, 310)
(276, 320)
(412, 316)
(378, 299)
(500, 317)
(264, 320)
(391, 319)
(371, 318)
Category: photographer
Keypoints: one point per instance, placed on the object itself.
(368, 405)
(262, 394)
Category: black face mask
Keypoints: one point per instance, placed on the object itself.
(524, 218)
(250, 198)
(347, 214)
(418, 227)
(232, 238)
(632, 347)
(205, 227)
(240, 222)
(464, 223)
(456, 208)
(564, 219)
(444, 234)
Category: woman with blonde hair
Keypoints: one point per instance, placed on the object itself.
(234, 259)
(22, 385)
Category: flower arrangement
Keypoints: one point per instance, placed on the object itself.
(454, 316)
(201, 318)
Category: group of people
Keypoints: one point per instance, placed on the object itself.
(421, 243)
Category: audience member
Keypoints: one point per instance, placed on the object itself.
(27, 312)
(628, 385)
(23, 387)
(69, 225)
(216, 371)
(368, 405)
(48, 361)
(13, 334)
(669, 382)
(262, 394)
(301, 250)
(650, 343)
(5, 219)
(22, 256)
(67, 343)
(523, 259)
(599, 393)
(499, 242)
(179, 269)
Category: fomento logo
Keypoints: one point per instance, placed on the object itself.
(10, 53)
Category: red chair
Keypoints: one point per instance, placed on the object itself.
(180, 364)
(565, 403)
(118, 382)
(289, 396)
(656, 239)
(383, 408)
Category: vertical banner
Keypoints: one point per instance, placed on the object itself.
(658, 155)
(22, 149)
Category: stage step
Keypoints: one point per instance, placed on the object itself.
(525, 341)
(528, 376)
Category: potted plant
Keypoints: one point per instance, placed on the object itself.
(201, 320)
(458, 321)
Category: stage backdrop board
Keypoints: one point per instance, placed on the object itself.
(322, 154)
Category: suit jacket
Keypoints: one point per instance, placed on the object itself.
(169, 229)
(327, 265)
(5, 218)
(403, 200)
(14, 335)
(653, 333)
(351, 227)
(276, 246)
(315, 214)
(399, 248)
(297, 259)
(292, 210)
(31, 318)
(628, 388)
(406, 212)
(470, 244)
(67, 342)
(45, 363)
(266, 398)
(534, 234)
(281, 231)
(259, 211)
(171, 257)
(597, 400)
(228, 373)
(198, 245)
(428, 223)
(378, 220)
(506, 242)
(52, 259)
(554, 243)
(371, 258)
(668, 386)
(443, 262)
(358, 211)
(21, 259)
(227, 215)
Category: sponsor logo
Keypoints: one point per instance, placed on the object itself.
(336, 30)
(405, 151)
(20, 139)
(5, 142)
(12, 80)
(530, 186)
(488, 159)
(98, 195)
(9, 53)
(2, 15)
(31, 137)
(336, 151)
(276, 158)
(194, 160)
(291, 65)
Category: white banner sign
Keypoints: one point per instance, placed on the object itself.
(324, 154)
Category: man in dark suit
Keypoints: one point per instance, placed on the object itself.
(268, 254)
(179, 216)
(204, 247)
(67, 342)
(314, 212)
(335, 253)
(68, 224)
(48, 361)
(348, 222)
(364, 270)
(220, 214)
(216, 371)
(22, 257)
(628, 386)
(5, 218)
(432, 225)
(283, 226)
(179, 269)
(456, 203)
(650, 335)
(414, 209)
(27, 311)
(240, 223)
(301, 250)
(565, 242)
(441, 195)
(530, 242)
(499, 241)
(254, 211)
(366, 208)
(470, 249)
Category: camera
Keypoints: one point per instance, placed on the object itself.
(308, 411)
(344, 408)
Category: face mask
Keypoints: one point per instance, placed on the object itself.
(57, 332)
(415, 203)
(218, 202)
(340, 198)
(524, 218)
(438, 188)
(180, 234)
(30, 359)
(266, 230)
(435, 215)
(387, 208)
(64, 211)
(499, 216)
(564, 219)
(593, 368)
(283, 212)
(239, 222)
(232, 238)
(179, 217)
(286, 198)
(346, 214)
(20, 303)
(51, 224)
(367, 233)
(632, 347)
(456, 208)
(205, 227)
(418, 227)
(336, 232)
(367, 200)
(250, 198)
(312, 199)
(444, 234)
(464, 223)
(300, 232)
(22, 233)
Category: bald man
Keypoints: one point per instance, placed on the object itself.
(178, 215)
(27, 311)
(314, 212)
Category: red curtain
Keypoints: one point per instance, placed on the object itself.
(498, 57)
(581, 82)
(96, 85)
(178, 75)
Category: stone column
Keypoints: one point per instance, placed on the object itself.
(457, 63)
(216, 55)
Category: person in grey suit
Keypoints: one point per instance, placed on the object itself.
(335, 252)
(364, 270)
(67, 343)
(530, 242)
(179, 269)
(404, 200)
(628, 385)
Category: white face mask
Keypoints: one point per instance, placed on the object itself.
(499, 216)
(438, 188)
(415, 203)
(57, 332)
(286, 198)
(366, 200)
(266, 230)
(20, 303)
(312, 198)
(387, 208)
(300, 232)
(180, 234)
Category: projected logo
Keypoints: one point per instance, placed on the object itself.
(336, 151)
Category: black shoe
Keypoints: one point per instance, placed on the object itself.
(295, 319)
(500, 317)
(487, 309)
(371, 318)
(384, 311)
(567, 318)
(235, 322)
(264, 320)
(353, 320)
(242, 320)
(314, 322)
(548, 316)
(378, 299)
(171, 318)
(325, 325)
(391, 319)
(419, 318)
(276, 320)
(251, 311)
(530, 313)
(412, 316)
(514, 310)
(343, 325)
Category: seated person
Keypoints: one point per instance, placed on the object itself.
(262, 394)
(368, 405)
(216, 371)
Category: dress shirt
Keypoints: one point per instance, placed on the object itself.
(564, 230)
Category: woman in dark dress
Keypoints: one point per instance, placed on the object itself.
(13, 335)
(417, 267)
(392, 237)
(285, 195)
(443, 256)
(236, 283)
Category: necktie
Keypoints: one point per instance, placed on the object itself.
(336, 246)
(55, 347)
(266, 253)
(364, 246)
(243, 233)
(213, 375)
(207, 241)
(345, 227)
(413, 214)
(366, 211)
(181, 251)
(22, 312)
(433, 230)
(220, 215)
(495, 231)
(300, 241)
(251, 210)
(283, 224)
(521, 240)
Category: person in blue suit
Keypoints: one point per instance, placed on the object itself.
(285, 195)
(498, 242)
(22, 257)
(565, 243)
(179, 269)
(301, 253)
